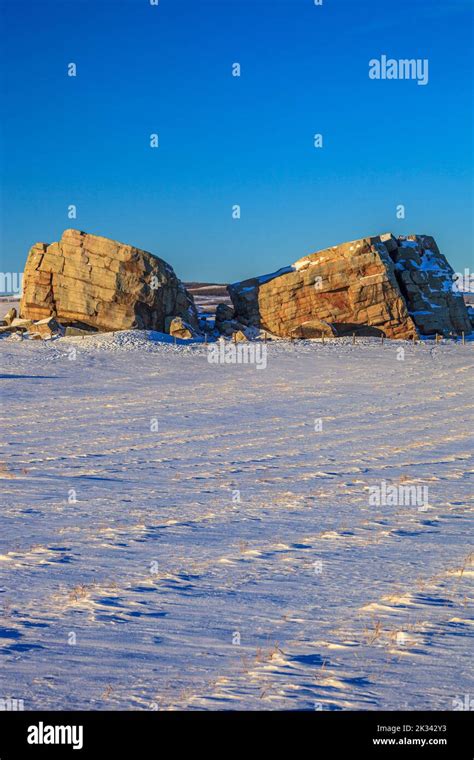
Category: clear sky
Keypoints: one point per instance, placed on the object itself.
(225, 140)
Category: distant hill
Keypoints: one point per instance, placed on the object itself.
(207, 289)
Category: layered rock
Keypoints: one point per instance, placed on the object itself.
(178, 328)
(402, 287)
(9, 317)
(426, 281)
(46, 328)
(17, 325)
(93, 281)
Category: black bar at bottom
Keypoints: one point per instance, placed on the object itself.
(137, 734)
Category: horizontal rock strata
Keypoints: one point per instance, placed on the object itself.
(93, 281)
(401, 286)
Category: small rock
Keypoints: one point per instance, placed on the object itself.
(46, 328)
(178, 328)
(72, 331)
(17, 325)
(9, 316)
(21, 323)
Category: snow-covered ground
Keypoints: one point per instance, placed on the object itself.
(180, 534)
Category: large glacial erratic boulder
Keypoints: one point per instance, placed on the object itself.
(91, 280)
(403, 287)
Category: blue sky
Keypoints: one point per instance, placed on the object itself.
(224, 140)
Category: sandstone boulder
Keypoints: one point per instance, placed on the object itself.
(103, 284)
(17, 325)
(239, 337)
(178, 328)
(72, 331)
(46, 328)
(9, 317)
(402, 287)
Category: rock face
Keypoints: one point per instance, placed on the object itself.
(426, 282)
(93, 281)
(401, 286)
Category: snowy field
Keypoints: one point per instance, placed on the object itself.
(181, 535)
